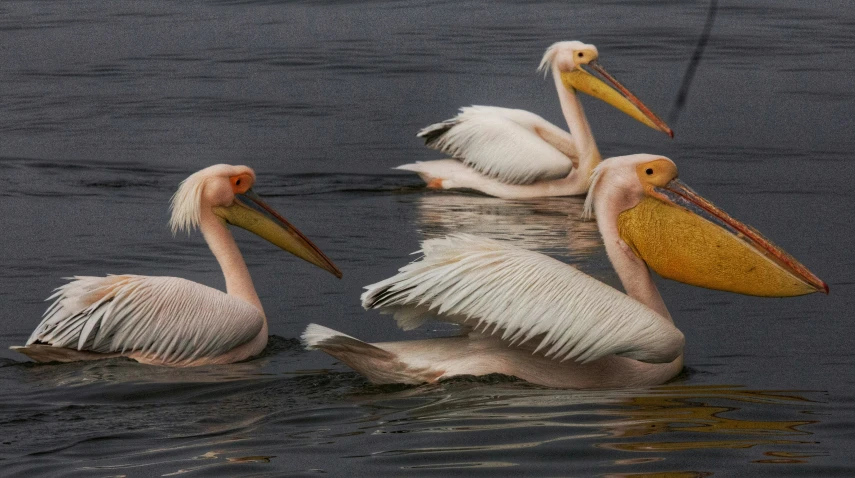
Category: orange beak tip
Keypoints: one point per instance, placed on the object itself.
(825, 288)
(670, 133)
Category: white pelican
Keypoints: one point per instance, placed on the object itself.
(169, 320)
(531, 316)
(515, 154)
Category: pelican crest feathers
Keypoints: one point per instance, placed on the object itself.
(593, 181)
(552, 52)
(186, 204)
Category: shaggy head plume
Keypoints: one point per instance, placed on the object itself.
(553, 51)
(593, 180)
(186, 204)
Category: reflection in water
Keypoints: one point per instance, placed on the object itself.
(666, 474)
(107, 129)
(655, 430)
(695, 418)
(548, 225)
(215, 455)
(224, 426)
(118, 371)
(121, 370)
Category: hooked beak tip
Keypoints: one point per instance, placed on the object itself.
(670, 133)
(825, 288)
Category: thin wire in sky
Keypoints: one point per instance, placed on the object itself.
(693, 64)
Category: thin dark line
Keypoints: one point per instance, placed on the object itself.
(693, 64)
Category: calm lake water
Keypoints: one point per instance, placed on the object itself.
(107, 106)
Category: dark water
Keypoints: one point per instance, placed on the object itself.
(106, 106)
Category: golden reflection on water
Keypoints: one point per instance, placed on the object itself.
(679, 418)
(543, 224)
(666, 474)
(784, 457)
(213, 459)
(665, 420)
(640, 428)
(682, 409)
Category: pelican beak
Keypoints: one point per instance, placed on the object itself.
(622, 99)
(251, 213)
(684, 237)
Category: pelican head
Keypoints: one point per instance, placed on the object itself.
(568, 59)
(226, 191)
(684, 237)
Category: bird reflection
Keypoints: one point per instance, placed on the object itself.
(704, 416)
(549, 225)
(119, 371)
(636, 427)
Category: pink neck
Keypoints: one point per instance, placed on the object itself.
(224, 248)
(633, 272)
(580, 130)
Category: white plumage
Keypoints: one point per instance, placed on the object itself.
(523, 296)
(186, 204)
(522, 313)
(166, 320)
(504, 144)
(596, 174)
(514, 154)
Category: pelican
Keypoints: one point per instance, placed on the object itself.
(525, 314)
(514, 154)
(169, 320)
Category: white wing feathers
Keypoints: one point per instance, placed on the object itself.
(503, 143)
(167, 319)
(481, 283)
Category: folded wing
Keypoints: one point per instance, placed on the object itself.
(527, 297)
(505, 144)
(167, 319)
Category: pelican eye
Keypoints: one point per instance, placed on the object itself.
(580, 54)
(649, 171)
(241, 183)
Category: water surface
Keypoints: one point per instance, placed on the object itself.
(107, 106)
